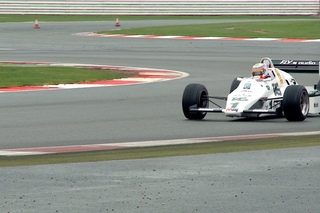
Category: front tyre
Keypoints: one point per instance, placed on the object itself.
(295, 103)
(194, 95)
(234, 85)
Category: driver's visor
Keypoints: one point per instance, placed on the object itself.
(257, 72)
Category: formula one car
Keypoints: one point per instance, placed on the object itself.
(269, 90)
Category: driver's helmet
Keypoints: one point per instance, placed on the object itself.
(259, 70)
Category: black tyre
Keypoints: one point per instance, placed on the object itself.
(279, 112)
(234, 85)
(318, 86)
(295, 103)
(194, 95)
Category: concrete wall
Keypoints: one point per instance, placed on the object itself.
(161, 7)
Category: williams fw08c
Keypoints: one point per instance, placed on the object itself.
(270, 90)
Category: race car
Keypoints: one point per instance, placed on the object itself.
(269, 90)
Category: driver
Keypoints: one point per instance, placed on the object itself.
(259, 71)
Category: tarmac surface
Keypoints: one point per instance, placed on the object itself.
(285, 180)
(135, 112)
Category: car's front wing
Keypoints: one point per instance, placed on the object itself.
(217, 110)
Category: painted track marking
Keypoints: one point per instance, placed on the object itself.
(109, 146)
(194, 37)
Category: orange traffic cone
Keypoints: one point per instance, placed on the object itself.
(36, 24)
(117, 22)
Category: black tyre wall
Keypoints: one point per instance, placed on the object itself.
(295, 103)
(194, 95)
(234, 85)
(318, 86)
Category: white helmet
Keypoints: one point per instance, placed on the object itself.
(259, 70)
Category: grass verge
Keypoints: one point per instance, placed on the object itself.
(307, 26)
(264, 29)
(164, 151)
(46, 75)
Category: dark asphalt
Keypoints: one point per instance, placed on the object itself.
(284, 180)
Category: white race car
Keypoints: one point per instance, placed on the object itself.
(269, 90)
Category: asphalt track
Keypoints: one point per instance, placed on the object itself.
(132, 113)
(287, 179)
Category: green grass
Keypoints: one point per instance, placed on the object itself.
(45, 75)
(164, 151)
(265, 29)
(270, 26)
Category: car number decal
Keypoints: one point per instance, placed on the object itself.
(279, 76)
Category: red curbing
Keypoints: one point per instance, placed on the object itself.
(195, 37)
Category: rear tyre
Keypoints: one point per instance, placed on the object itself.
(295, 103)
(194, 95)
(318, 86)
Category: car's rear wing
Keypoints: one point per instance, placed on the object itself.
(306, 66)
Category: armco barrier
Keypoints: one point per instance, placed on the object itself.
(161, 7)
